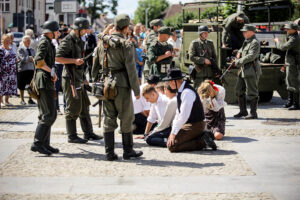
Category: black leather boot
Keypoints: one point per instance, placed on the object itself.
(39, 140)
(72, 132)
(87, 128)
(127, 142)
(289, 102)
(206, 136)
(109, 141)
(295, 105)
(253, 108)
(243, 107)
(47, 143)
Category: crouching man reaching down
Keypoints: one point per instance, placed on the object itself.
(187, 132)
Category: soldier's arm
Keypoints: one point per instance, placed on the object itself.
(96, 64)
(40, 56)
(251, 55)
(226, 31)
(287, 45)
(129, 52)
(198, 60)
(64, 50)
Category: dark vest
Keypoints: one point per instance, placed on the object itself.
(197, 113)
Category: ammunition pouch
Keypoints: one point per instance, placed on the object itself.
(110, 89)
(98, 90)
(32, 89)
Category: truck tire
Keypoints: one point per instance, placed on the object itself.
(265, 96)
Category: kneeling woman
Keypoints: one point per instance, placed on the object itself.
(212, 97)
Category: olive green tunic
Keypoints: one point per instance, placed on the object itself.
(200, 50)
(152, 37)
(292, 61)
(157, 49)
(46, 102)
(72, 47)
(249, 69)
(121, 61)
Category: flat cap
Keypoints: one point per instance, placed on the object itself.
(248, 27)
(122, 20)
(291, 26)
(164, 30)
(156, 22)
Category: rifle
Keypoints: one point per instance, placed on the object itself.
(226, 71)
(99, 112)
(71, 73)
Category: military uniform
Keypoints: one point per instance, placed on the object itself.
(200, 50)
(248, 75)
(157, 49)
(46, 103)
(292, 62)
(72, 47)
(151, 38)
(232, 36)
(121, 63)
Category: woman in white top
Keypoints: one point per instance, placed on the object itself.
(212, 98)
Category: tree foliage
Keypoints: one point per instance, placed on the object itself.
(156, 8)
(96, 7)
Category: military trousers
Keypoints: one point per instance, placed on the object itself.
(47, 107)
(121, 107)
(292, 78)
(248, 86)
(75, 107)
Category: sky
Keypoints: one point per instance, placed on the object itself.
(129, 6)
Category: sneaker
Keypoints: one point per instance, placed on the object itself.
(8, 104)
(23, 102)
(30, 101)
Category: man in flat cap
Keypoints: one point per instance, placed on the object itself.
(120, 61)
(151, 37)
(292, 62)
(249, 72)
(232, 35)
(202, 53)
(160, 53)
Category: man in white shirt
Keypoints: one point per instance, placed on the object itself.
(158, 106)
(160, 134)
(142, 107)
(175, 42)
(187, 132)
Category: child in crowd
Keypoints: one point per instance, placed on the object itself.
(139, 60)
(212, 97)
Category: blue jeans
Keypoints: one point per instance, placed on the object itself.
(159, 138)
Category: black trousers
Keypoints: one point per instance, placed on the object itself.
(159, 138)
(140, 122)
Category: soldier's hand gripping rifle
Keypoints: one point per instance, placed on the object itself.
(222, 77)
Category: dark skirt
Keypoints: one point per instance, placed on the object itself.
(215, 121)
(24, 78)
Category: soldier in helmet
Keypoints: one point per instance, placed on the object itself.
(152, 37)
(249, 72)
(292, 61)
(121, 64)
(160, 53)
(70, 53)
(45, 79)
(232, 36)
(202, 53)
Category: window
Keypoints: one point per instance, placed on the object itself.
(5, 5)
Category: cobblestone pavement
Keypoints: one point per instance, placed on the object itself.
(257, 159)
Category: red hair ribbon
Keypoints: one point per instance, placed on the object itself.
(212, 84)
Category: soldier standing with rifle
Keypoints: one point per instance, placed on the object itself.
(203, 55)
(70, 53)
(249, 72)
(120, 63)
(292, 62)
(160, 54)
(45, 78)
(152, 37)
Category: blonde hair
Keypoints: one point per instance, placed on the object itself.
(205, 89)
(4, 37)
(160, 86)
(148, 89)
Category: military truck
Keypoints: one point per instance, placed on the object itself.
(272, 78)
